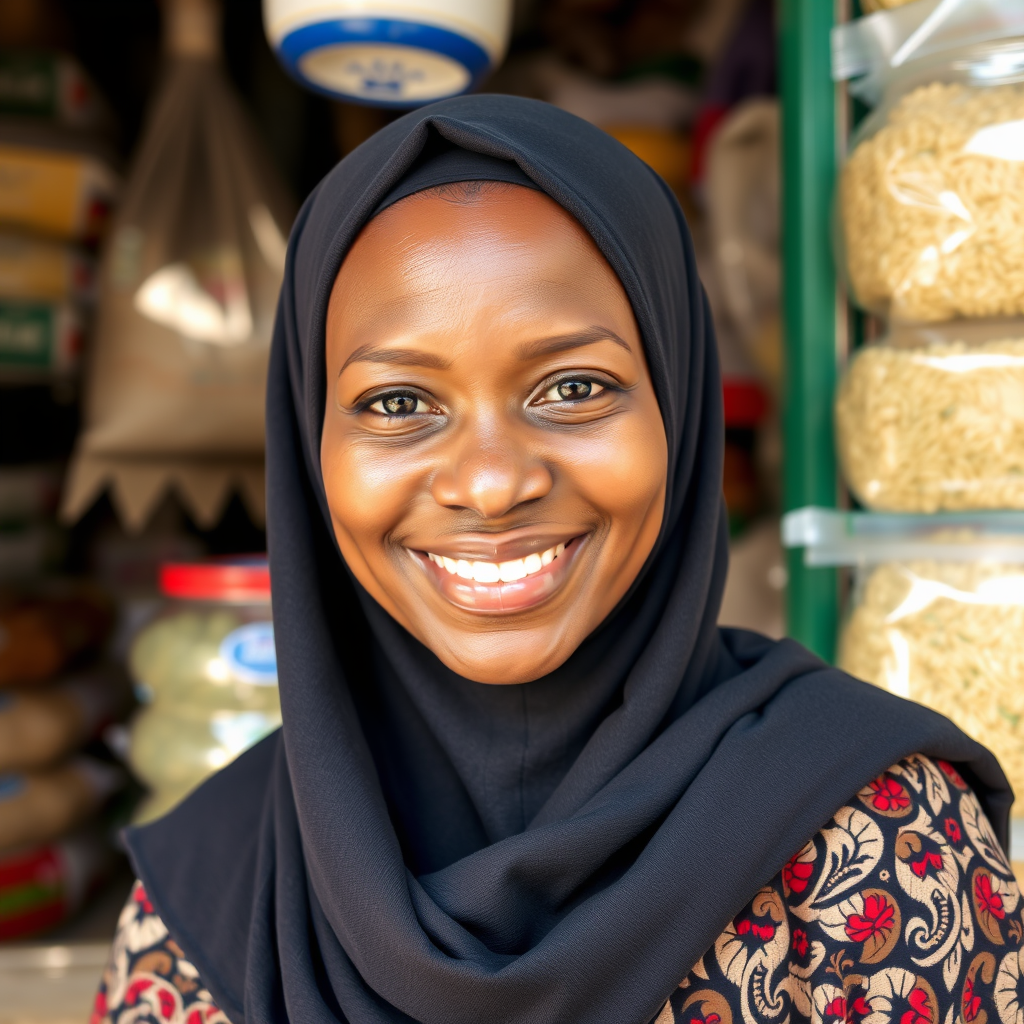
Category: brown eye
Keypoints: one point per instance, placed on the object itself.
(571, 391)
(398, 403)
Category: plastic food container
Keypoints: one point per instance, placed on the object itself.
(947, 634)
(933, 418)
(206, 672)
(936, 614)
(389, 54)
(931, 199)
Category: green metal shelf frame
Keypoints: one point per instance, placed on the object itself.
(811, 308)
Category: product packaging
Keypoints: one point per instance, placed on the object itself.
(932, 194)
(41, 725)
(44, 270)
(43, 634)
(54, 182)
(932, 418)
(39, 807)
(188, 292)
(51, 87)
(42, 886)
(936, 615)
(205, 672)
(39, 340)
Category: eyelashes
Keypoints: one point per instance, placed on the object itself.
(402, 403)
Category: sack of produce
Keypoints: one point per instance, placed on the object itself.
(947, 634)
(41, 725)
(188, 292)
(933, 418)
(42, 887)
(43, 634)
(205, 671)
(931, 199)
(39, 807)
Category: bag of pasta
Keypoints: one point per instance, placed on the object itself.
(932, 418)
(931, 199)
(947, 634)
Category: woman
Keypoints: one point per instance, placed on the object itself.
(522, 776)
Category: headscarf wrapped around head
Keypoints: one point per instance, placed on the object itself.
(413, 846)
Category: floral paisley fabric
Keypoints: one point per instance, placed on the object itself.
(901, 910)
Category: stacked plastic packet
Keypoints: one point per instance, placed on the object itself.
(930, 415)
(56, 697)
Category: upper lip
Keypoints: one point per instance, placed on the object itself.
(496, 547)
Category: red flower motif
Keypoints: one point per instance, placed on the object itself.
(919, 1012)
(99, 1008)
(878, 917)
(166, 1003)
(764, 932)
(889, 795)
(837, 1008)
(988, 901)
(800, 943)
(970, 1002)
(135, 989)
(846, 1011)
(931, 859)
(796, 874)
(952, 774)
(711, 1018)
(952, 830)
(195, 1017)
(142, 899)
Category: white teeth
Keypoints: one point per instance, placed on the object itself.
(490, 572)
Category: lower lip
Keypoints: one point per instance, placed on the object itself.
(503, 598)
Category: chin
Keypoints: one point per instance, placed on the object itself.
(502, 660)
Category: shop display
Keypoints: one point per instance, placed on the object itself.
(43, 269)
(188, 292)
(37, 807)
(39, 338)
(932, 195)
(933, 419)
(38, 726)
(386, 53)
(206, 674)
(55, 183)
(947, 634)
(43, 886)
(51, 87)
(45, 634)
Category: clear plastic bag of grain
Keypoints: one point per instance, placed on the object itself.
(932, 418)
(931, 198)
(947, 634)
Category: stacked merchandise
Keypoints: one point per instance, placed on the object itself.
(930, 414)
(55, 699)
(205, 673)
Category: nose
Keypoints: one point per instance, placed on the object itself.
(490, 472)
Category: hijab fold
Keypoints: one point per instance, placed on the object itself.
(414, 846)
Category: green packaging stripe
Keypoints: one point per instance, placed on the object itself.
(28, 335)
(21, 899)
(28, 85)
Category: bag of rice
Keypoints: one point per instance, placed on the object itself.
(931, 199)
(933, 418)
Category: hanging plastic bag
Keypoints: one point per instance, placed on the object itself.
(188, 292)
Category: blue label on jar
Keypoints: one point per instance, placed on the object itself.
(250, 655)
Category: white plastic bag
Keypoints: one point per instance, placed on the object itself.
(188, 291)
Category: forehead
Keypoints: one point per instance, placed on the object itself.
(510, 252)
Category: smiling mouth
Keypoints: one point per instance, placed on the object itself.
(497, 572)
(514, 585)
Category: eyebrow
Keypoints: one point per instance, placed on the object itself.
(527, 350)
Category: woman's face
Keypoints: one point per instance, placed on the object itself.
(493, 452)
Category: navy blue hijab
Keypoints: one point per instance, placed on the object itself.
(413, 846)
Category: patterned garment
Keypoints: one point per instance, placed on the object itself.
(902, 910)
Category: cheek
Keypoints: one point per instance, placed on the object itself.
(622, 472)
(368, 491)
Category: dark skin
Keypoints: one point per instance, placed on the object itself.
(493, 452)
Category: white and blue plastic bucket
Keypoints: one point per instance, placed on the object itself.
(389, 54)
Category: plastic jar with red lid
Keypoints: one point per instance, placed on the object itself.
(205, 671)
